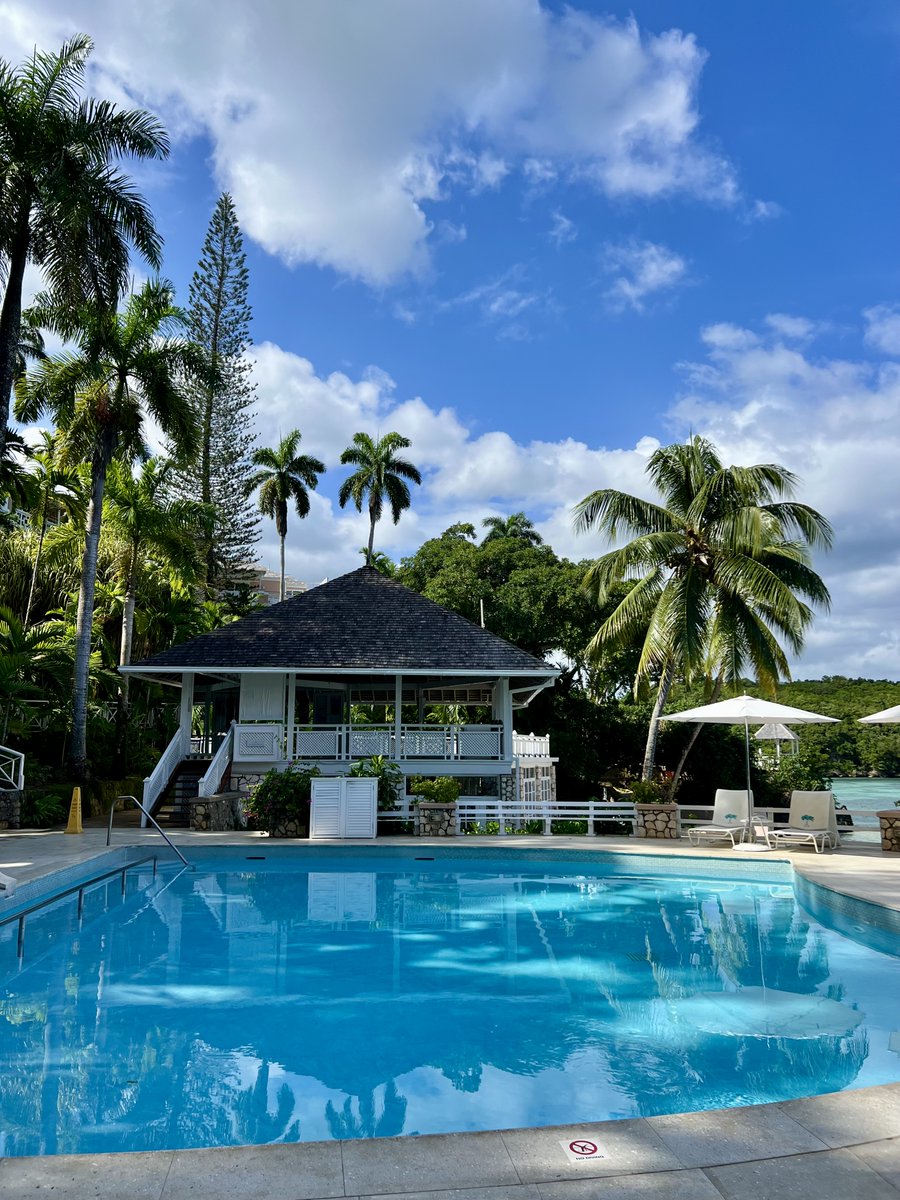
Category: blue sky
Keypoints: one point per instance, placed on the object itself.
(541, 239)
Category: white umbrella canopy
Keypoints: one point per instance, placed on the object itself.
(887, 716)
(747, 711)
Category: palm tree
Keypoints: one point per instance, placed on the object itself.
(146, 522)
(720, 571)
(59, 490)
(516, 526)
(380, 475)
(284, 475)
(63, 204)
(125, 365)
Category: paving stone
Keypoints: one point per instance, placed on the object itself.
(728, 1135)
(671, 1185)
(844, 1118)
(295, 1172)
(87, 1177)
(836, 1174)
(430, 1163)
(629, 1147)
(883, 1157)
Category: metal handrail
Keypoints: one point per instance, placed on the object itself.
(165, 837)
(80, 888)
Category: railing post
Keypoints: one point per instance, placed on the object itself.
(591, 831)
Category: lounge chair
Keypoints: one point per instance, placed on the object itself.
(811, 819)
(729, 820)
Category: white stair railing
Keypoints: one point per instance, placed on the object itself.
(210, 782)
(12, 769)
(158, 779)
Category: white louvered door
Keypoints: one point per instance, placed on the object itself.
(343, 808)
(325, 810)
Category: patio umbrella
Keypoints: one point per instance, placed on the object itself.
(887, 716)
(747, 711)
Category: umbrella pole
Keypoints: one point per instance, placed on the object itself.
(747, 752)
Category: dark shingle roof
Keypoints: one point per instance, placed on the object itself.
(360, 621)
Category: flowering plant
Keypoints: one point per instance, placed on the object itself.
(282, 796)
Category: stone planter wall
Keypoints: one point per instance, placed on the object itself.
(290, 829)
(246, 781)
(656, 821)
(890, 829)
(10, 809)
(215, 814)
(435, 820)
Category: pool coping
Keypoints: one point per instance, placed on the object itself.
(828, 1146)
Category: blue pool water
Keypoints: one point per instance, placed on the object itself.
(299, 998)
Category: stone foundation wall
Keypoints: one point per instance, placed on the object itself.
(435, 820)
(656, 821)
(216, 814)
(10, 809)
(507, 789)
(890, 829)
(245, 782)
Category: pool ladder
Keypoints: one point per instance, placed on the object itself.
(80, 889)
(153, 822)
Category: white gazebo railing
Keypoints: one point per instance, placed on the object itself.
(158, 779)
(12, 769)
(434, 742)
(531, 745)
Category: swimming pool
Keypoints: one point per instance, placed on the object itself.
(302, 996)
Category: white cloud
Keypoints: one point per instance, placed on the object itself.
(338, 136)
(836, 424)
(562, 230)
(508, 304)
(883, 328)
(641, 270)
(793, 329)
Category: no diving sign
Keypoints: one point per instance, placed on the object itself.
(582, 1150)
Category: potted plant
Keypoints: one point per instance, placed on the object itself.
(435, 803)
(279, 803)
(655, 815)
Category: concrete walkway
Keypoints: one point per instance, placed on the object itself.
(844, 1146)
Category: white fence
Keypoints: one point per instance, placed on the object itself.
(210, 783)
(481, 810)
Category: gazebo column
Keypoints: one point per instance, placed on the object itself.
(502, 712)
(398, 715)
(290, 716)
(187, 712)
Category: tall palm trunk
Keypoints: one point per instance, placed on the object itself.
(124, 659)
(11, 316)
(372, 520)
(281, 526)
(84, 622)
(36, 564)
(662, 695)
(689, 744)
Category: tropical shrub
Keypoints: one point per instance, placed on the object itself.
(443, 790)
(282, 796)
(390, 779)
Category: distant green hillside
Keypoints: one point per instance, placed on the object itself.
(851, 748)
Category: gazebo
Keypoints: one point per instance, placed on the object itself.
(299, 682)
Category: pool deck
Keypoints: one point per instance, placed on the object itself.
(844, 1146)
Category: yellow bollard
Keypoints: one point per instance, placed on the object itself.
(74, 825)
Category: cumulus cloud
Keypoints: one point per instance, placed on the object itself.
(883, 328)
(562, 230)
(641, 270)
(338, 138)
(836, 423)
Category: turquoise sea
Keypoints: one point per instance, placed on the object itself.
(866, 795)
